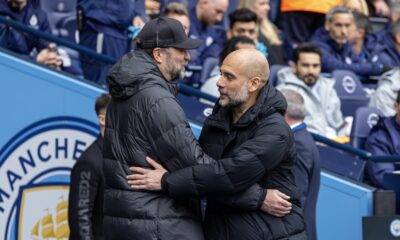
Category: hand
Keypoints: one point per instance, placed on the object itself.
(276, 203)
(381, 8)
(146, 179)
(137, 22)
(50, 57)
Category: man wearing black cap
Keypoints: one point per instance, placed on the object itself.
(145, 119)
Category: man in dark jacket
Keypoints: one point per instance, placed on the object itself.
(247, 132)
(384, 139)
(336, 48)
(145, 119)
(307, 169)
(85, 207)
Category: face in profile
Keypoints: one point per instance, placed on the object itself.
(212, 11)
(232, 84)
(175, 61)
(339, 27)
(183, 19)
(261, 8)
(308, 68)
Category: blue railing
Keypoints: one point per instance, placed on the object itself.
(91, 53)
(356, 151)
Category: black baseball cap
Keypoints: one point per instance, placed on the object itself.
(165, 32)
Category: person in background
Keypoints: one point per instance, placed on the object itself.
(179, 12)
(388, 49)
(30, 14)
(323, 116)
(337, 50)
(103, 27)
(267, 32)
(384, 96)
(307, 170)
(205, 19)
(383, 139)
(244, 22)
(85, 205)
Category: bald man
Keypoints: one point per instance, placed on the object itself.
(248, 133)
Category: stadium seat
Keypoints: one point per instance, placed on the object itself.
(350, 91)
(208, 65)
(67, 28)
(364, 119)
(57, 10)
(273, 73)
(342, 164)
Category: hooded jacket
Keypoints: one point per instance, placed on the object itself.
(322, 110)
(259, 148)
(145, 119)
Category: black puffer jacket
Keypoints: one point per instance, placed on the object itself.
(145, 119)
(258, 149)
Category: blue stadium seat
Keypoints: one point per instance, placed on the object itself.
(364, 119)
(67, 28)
(342, 164)
(57, 10)
(273, 73)
(208, 65)
(350, 91)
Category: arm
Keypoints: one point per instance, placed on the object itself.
(377, 144)
(247, 165)
(83, 191)
(334, 114)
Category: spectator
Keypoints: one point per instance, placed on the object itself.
(389, 50)
(205, 17)
(384, 139)
(85, 207)
(300, 18)
(178, 12)
(267, 32)
(394, 17)
(247, 132)
(244, 22)
(320, 97)
(385, 95)
(363, 45)
(307, 169)
(103, 27)
(379, 8)
(30, 14)
(336, 48)
(233, 44)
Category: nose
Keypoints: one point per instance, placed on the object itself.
(187, 55)
(220, 83)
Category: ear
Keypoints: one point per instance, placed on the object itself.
(293, 66)
(229, 34)
(102, 119)
(254, 84)
(157, 55)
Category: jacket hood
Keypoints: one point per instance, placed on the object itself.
(268, 102)
(134, 72)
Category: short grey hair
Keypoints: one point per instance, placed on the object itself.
(295, 109)
(338, 9)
